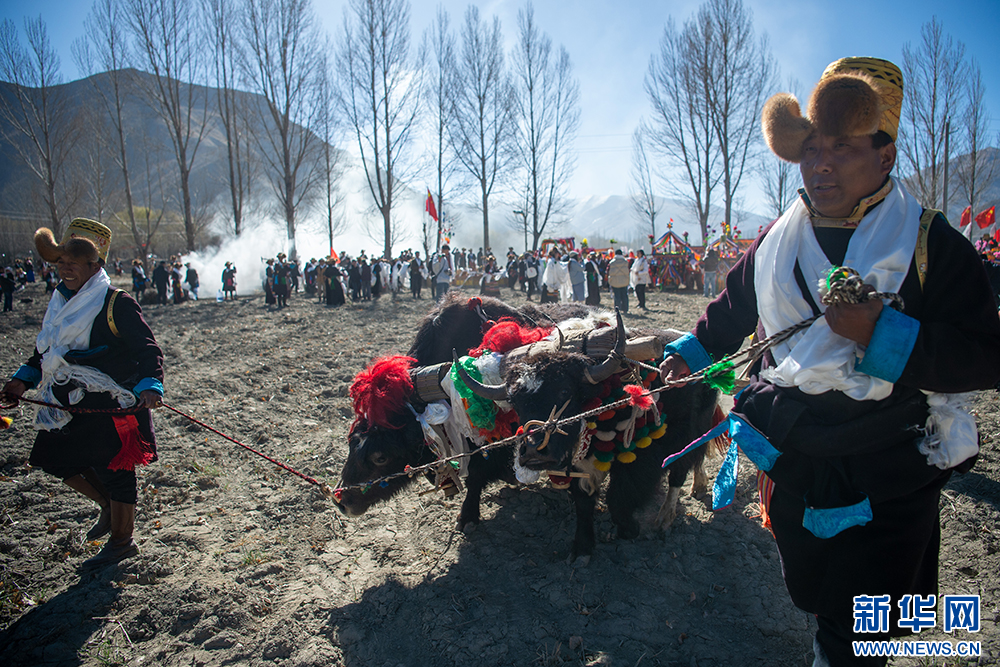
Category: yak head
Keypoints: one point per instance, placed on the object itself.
(385, 437)
(375, 452)
(545, 388)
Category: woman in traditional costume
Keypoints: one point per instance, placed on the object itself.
(95, 351)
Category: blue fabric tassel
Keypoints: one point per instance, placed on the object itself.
(753, 443)
(724, 489)
(825, 523)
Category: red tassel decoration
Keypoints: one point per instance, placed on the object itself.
(382, 389)
(135, 451)
(638, 396)
(506, 335)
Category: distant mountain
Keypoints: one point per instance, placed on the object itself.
(597, 218)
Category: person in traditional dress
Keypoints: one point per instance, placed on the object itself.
(161, 280)
(593, 272)
(139, 280)
(577, 277)
(555, 278)
(618, 279)
(441, 272)
(416, 275)
(282, 280)
(7, 284)
(229, 282)
(94, 351)
(332, 288)
(639, 277)
(844, 417)
(366, 280)
(354, 279)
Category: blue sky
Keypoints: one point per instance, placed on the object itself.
(610, 44)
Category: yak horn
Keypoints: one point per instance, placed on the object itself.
(602, 371)
(497, 392)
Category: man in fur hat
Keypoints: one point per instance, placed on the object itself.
(856, 421)
(95, 351)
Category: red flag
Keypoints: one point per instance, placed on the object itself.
(987, 217)
(429, 206)
(966, 216)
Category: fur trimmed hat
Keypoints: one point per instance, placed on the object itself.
(854, 97)
(83, 238)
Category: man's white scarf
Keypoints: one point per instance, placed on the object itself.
(66, 326)
(817, 360)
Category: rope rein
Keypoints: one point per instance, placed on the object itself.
(324, 488)
(843, 285)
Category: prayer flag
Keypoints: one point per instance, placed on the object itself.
(966, 216)
(987, 217)
(429, 206)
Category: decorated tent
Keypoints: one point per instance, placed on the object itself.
(564, 244)
(670, 243)
(672, 261)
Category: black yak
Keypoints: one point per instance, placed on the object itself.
(629, 443)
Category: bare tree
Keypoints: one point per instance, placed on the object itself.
(547, 113)
(380, 96)
(43, 129)
(976, 171)
(935, 74)
(681, 125)
(439, 42)
(482, 95)
(779, 180)
(223, 20)
(103, 56)
(169, 47)
(95, 161)
(739, 75)
(330, 167)
(642, 195)
(282, 65)
(151, 187)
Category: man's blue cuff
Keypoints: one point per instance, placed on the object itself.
(29, 375)
(890, 347)
(146, 384)
(688, 347)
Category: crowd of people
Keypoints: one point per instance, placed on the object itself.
(557, 275)
(174, 282)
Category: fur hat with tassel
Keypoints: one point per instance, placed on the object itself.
(854, 97)
(84, 239)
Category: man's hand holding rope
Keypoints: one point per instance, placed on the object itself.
(855, 321)
(12, 391)
(673, 369)
(852, 310)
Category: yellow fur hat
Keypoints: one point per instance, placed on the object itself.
(855, 96)
(81, 235)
